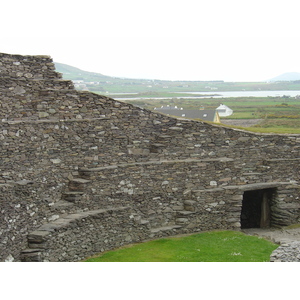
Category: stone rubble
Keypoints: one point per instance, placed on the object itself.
(288, 240)
(287, 252)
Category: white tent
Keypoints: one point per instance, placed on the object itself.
(224, 111)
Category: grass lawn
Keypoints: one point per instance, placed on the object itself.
(280, 125)
(213, 246)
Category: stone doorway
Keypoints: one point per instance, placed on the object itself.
(256, 212)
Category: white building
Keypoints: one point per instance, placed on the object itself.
(224, 111)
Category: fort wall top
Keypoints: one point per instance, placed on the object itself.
(27, 67)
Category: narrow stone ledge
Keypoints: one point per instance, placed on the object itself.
(185, 212)
(80, 180)
(246, 187)
(12, 122)
(24, 182)
(282, 159)
(156, 162)
(252, 174)
(165, 228)
(90, 213)
(207, 191)
(38, 240)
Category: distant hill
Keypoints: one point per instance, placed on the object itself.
(99, 83)
(73, 73)
(291, 76)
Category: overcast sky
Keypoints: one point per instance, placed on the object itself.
(159, 39)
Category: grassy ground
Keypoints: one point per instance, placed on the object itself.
(283, 126)
(214, 246)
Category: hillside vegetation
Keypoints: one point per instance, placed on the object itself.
(99, 82)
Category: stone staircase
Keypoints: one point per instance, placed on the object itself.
(181, 221)
(73, 206)
(38, 240)
(67, 209)
(75, 190)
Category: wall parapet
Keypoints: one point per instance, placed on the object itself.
(27, 67)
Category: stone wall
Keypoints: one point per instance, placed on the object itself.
(21, 210)
(27, 67)
(79, 156)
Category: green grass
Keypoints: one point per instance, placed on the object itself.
(274, 130)
(283, 126)
(213, 246)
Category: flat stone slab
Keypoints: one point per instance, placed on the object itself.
(165, 228)
(38, 236)
(80, 180)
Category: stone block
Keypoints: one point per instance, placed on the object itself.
(38, 237)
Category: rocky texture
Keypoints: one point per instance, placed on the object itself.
(288, 239)
(70, 155)
(287, 252)
(110, 227)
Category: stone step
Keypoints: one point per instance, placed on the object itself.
(72, 196)
(31, 255)
(38, 240)
(182, 216)
(80, 180)
(78, 184)
(165, 228)
(184, 212)
(182, 220)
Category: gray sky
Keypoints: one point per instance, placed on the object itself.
(159, 39)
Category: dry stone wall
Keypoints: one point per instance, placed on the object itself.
(27, 67)
(71, 155)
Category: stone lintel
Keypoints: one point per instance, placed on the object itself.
(246, 187)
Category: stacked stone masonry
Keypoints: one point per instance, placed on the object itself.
(81, 173)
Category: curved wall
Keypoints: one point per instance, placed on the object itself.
(70, 155)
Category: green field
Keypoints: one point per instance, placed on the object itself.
(213, 246)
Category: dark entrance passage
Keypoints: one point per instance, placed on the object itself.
(256, 208)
